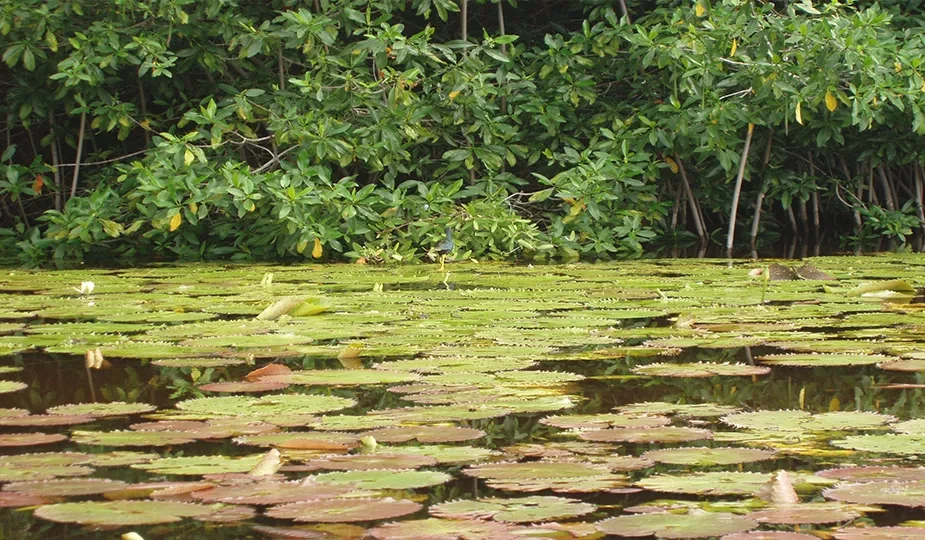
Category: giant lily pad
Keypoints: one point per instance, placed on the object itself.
(805, 421)
(132, 438)
(30, 439)
(64, 487)
(269, 493)
(665, 525)
(426, 434)
(885, 492)
(102, 410)
(559, 476)
(342, 377)
(385, 479)
(514, 510)
(710, 483)
(700, 370)
(344, 510)
(121, 513)
(647, 435)
(266, 406)
(443, 529)
(708, 457)
(603, 421)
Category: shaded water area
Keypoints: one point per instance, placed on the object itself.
(490, 401)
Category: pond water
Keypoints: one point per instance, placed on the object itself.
(680, 398)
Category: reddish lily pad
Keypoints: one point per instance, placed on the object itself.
(344, 510)
(303, 440)
(65, 487)
(30, 439)
(425, 434)
(46, 420)
(668, 434)
(245, 386)
(603, 421)
(366, 462)
(444, 529)
(15, 500)
(874, 474)
(881, 533)
(910, 494)
(769, 535)
(269, 493)
(805, 513)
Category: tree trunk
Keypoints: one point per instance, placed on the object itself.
(80, 148)
(738, 190)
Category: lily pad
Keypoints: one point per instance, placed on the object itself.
(824, 360)
(806, 513)
(385, 479)
(514, 510)
(603, 421)
(200, 465)
(265, 407)
(342, 377)
(102, 410)
(805, 421)
(881, 533)
(667, 434)
(708, 457)
(425, 434)
(665, 525)
(65, 487)
(708, 483)
(132, 438)
(559, 476)
(121, 513)
(344, 510)
(700, 370)
(30, 439)
(269, 493)
(911, 494)
(873, 473)
(443, 529)
(686, 410)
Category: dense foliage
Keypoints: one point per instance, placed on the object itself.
(360, 129)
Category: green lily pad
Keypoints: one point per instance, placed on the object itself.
(700, 369)
(425, 434)
(707, 483)
(874, 473)
(514, 510)
(806, 513)
(344, 510)
(881, 533)
(270, 492)
(132, 438)
(442, 529)
(559, 476)
(805, 421)
(445, 454)
(102, 410)
(65, 487)
(121, 513)
(200, 465)
(199, 362)
(708, 457)
(342, 377)
(891, 443)
(687, 410)
(30, 439)
(12, 386)
(824, 360)
(266, 406)
(665, 525)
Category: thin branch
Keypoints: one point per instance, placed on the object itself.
(80, 148)
(738, 190)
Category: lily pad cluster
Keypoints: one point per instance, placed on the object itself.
(675, 398)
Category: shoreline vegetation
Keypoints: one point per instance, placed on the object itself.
(360, 130)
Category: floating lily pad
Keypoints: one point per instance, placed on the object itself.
(708, 457)
(199, 362)
(806, 513)
(15, 500)
(366, 462)
(12, 386)
(881, 533)
(665, 525)
(559, 476)
(269, 493)
(445, 454)
(910, 494)
(200, 465)
(709, 483)
(769, 535)
(344, 510)
(667, 434)
(443, 529)
(874, 474)
(243, 386)
(456, 364)
(65, 487)
(30, 439)
(102, 410)
(515, 510)
(342, 377)
(43, 466)
(385, 479)
(266, 406)
(700, 370)
(805, 421)
(45, 420)
(121, 513)
(132, 438)
(824, 360)
(426, 434)
(303, 440)
(603, 421)
(688, 410)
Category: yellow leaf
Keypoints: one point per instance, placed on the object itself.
(672, 165)
(188, 157)
(802, 398)
(700, 10)
(453, 94)
(317, 251)
(193, 207)
(834, 405)
(799, 114)
(175, 222)
(735, 47)
(830, 102)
